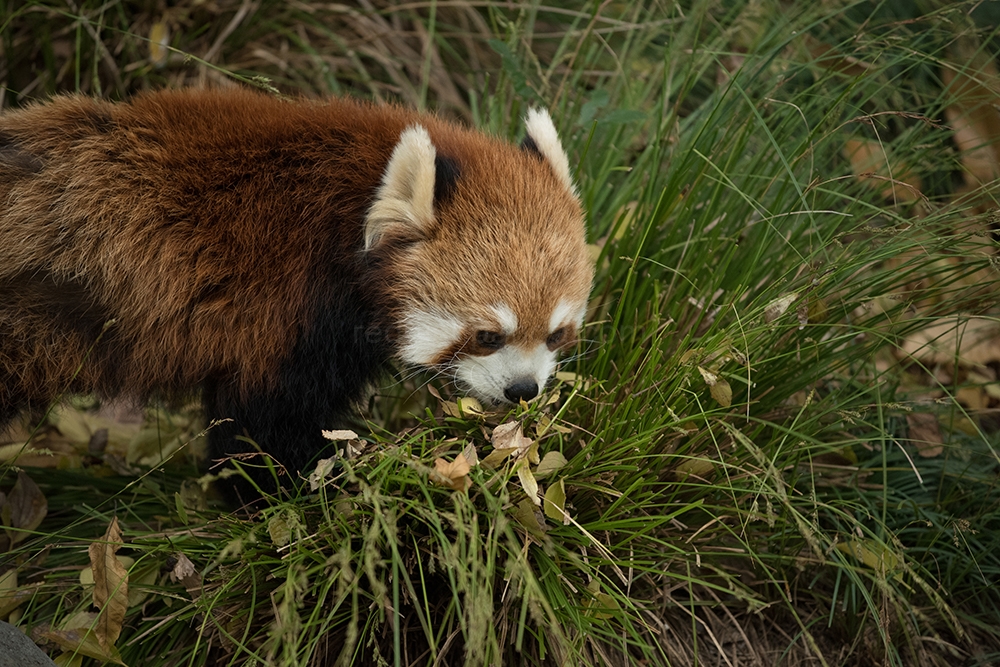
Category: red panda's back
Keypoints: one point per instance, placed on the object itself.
(197, 220)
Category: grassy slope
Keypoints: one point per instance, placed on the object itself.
(737, 248)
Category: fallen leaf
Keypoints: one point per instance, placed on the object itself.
(722, 393)
(828, 57)
(23, 509)
(874, 167)
(718, 387)
(318, 477)
(70, 423)
(21, 453)
(777, 307)
(550, 463)
(11, 595)
(79, 635)
(463, 408)
(159, 39)
(509, 440)
(471, 455)
(876, 556)
(110, 585)
(545, 422)
(532, 453)
(599, 604)
(555, 502)
(343, 434)
(972, 84)
(925, 433)
(697, 468)
(156, 441)
(283, 526)
(973, 342)
(528, 482)
(530, 519)
(508, 435)
(453, 474)
(974, 398)
(184, 572)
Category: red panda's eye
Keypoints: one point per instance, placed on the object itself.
(556, 338)
(490, 340)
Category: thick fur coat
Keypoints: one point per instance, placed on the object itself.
(277, 255)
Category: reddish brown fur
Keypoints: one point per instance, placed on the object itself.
(205, 225)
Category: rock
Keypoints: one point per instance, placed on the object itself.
(17, 649)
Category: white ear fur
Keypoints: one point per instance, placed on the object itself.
(406, 197)
(539, 126)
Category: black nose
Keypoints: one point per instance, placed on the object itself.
(522, 390)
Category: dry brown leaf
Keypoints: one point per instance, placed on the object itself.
(974, 342)
(509, 440)
(973, 397)
(826, 56)
(453, 474)
(11, 595)
(471, 455)
(336, 435)
(23, 509)
(79, 635)
(777, 307)
(545, 422)
(873, 166)
(319, 476)
(530, 518)
(185, 572)
(925, 433)
(972, 82)
(508, 435)
(463, 408)
(23, 454)
(110, 585)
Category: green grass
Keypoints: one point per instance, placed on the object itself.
(797, 524)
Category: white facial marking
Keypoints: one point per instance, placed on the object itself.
(539, 126)
(426, 334)
(506, 317)
(566, 312)
(488, 377)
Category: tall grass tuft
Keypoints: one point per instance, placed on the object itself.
(774, 447)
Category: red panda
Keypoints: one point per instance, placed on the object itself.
(279, 256)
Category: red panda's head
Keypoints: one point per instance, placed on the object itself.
(489, 268)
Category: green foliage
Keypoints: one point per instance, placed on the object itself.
(737, 438)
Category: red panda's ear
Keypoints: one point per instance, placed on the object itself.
(545, 141)
(404, 204)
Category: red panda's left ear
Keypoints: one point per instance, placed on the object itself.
(545, 140)
(404, 204)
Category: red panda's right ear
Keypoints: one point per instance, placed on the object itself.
(404, 204)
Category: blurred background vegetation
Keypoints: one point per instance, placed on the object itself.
(779, 439)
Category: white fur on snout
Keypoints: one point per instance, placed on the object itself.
(487, 377)
(427, 335)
